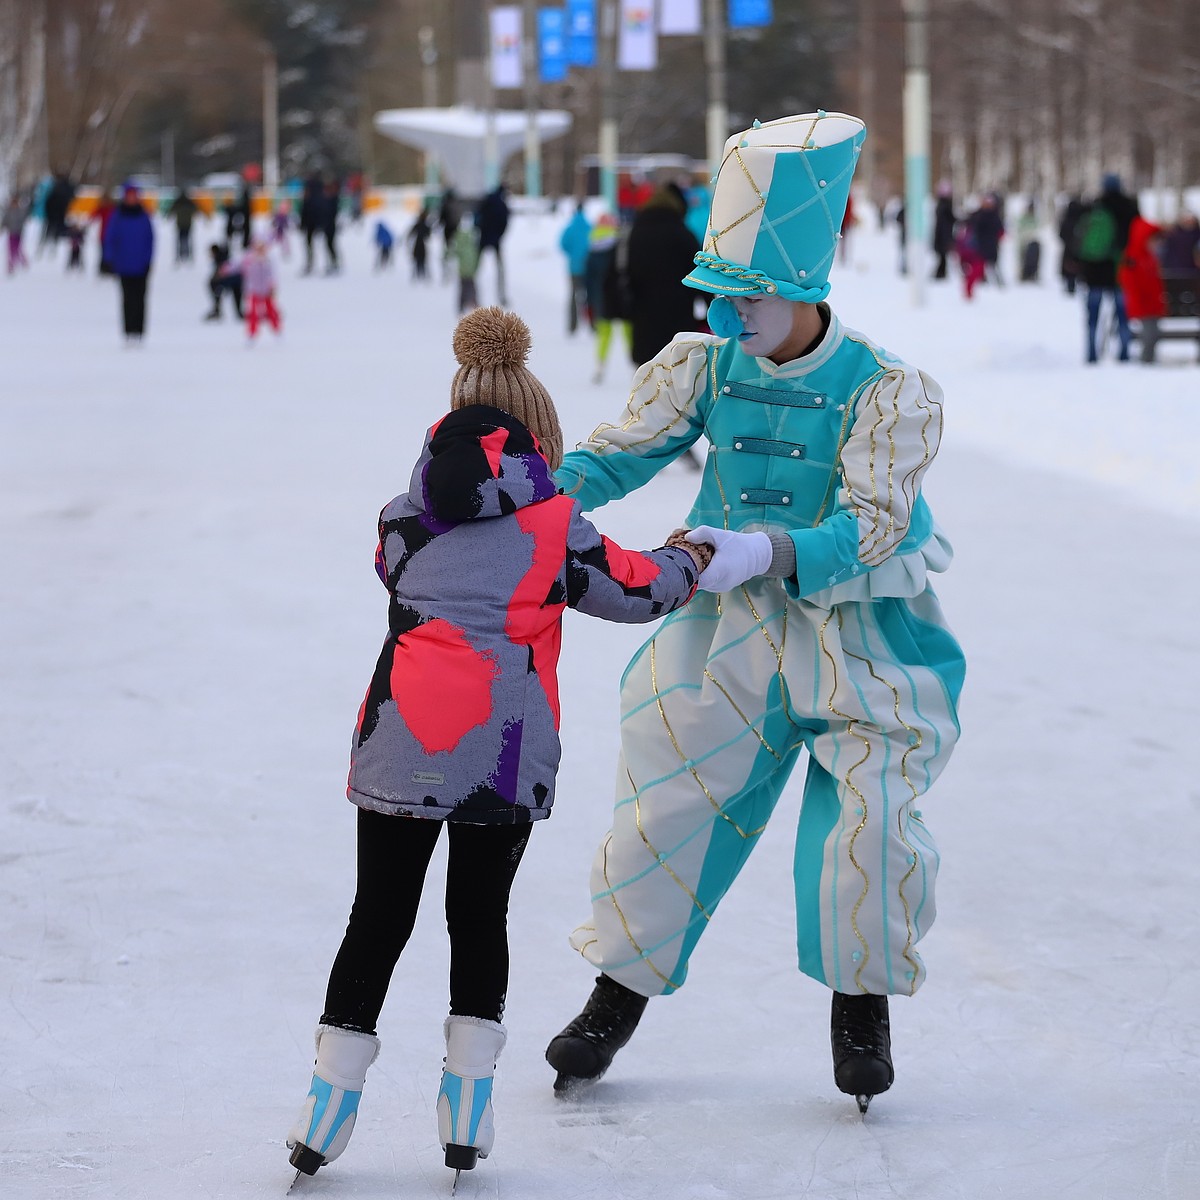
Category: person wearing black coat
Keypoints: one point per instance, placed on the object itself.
(449, 216)
(57, 205)
(944, 221)
(1100, 274)
(183, 213)
(226, 276)
(1068, 263)
(660, 254)
(606, 287)
(312, 204)
(491, 220)
(331, 203)
(987, 228)
(238, 218)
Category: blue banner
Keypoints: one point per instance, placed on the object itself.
(581, 33)
(744, 14)
(552, 45)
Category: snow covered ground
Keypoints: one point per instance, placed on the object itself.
(190, 616)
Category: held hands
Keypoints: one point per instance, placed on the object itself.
(700, 553)
(738, 557)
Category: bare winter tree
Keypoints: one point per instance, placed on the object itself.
(94, 60)
(22, 90)
(110, 63)
(1045, 96)
(1036, 96)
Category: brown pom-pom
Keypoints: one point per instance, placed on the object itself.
(492, 337)
(702, 552)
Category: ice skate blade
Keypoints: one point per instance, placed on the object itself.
(863, 1102)
(295, 1180)
(569, 1087)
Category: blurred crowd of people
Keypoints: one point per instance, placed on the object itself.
(623, 269)
(1107, 251)
(241, 277)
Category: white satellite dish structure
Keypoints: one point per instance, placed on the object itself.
(458, 138)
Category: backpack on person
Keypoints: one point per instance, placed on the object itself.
(1096, 235)
(618, 287)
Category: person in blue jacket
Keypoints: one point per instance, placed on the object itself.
(384, 241)
(824, 637)
(575, 243)
(129, 250)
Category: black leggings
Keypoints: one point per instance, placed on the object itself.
(133, 304)
(393, 856)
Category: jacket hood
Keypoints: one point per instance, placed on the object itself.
(1141, 235)
(479, 462)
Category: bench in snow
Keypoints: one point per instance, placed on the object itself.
(1181, 296)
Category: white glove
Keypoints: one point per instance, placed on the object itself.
(738, 557)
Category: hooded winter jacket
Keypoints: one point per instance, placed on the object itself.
(1139, 274)
(481, 556)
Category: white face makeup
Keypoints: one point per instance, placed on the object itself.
(766, 320)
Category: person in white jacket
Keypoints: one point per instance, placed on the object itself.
(258, 289)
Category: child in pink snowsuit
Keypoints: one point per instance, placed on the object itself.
(258, 288)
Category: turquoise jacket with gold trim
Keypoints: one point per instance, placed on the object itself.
(830, 448)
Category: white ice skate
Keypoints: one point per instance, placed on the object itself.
(323, 1128)
(464, 1105)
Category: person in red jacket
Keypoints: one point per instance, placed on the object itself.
(1138, 273)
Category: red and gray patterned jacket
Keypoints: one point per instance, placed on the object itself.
(481, 556)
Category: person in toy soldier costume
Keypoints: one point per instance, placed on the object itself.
(820, 632)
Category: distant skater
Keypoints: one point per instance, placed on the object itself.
(258, 289)
(459, 726)
(16, 213)
(418, 240)
(129, 251)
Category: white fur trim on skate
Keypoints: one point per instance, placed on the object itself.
(343, 1056)
(473, 1045)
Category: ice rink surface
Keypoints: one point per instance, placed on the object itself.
(190, 618)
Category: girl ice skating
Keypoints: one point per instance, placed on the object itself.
(460, 723)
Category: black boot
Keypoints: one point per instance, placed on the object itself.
(862, 1046)
(584, 1050)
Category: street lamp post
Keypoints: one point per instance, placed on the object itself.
(608, 104)
(533, 143)
(716, 123)
(491, 149)
(429, 58)
(916, 142)
(270, 120)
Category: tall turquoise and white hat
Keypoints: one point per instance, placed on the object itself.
(777, 207)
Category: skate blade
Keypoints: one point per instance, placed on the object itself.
(295, 1180)
(454, 1185)
(570, 1087)
(863, 1103)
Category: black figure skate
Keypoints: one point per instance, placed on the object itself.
(862, 1046)
(584, 1050)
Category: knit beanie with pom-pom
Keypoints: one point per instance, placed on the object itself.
(492, 346)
